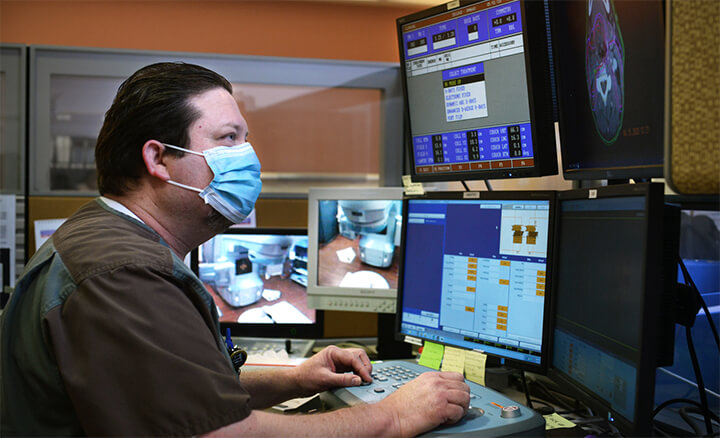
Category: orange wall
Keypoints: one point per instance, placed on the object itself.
(274, 28)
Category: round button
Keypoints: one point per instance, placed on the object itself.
(510, 412)
(379, 390)
(474, 412)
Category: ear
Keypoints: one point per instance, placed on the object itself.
(153, 153)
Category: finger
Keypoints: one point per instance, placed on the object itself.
(454, 413)
(458, 397)
(348, 379)
(457, 385)
(365, 359)
(331, 379)
(356, 360)
(451, 375)
(364, 368)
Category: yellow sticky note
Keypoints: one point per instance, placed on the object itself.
(475, 366)
(453, 360)
(431, 355)
(412, 188)
(555, 421)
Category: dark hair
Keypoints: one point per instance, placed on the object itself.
(152, 104)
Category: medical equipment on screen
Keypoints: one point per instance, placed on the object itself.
(241, 262)
(375, 222)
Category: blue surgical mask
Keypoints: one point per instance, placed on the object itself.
(236, 184)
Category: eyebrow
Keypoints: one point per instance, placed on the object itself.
(234, 126)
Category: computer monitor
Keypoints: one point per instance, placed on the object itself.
(257, 278)
(476, 273)
(615, 273)
(478, 93)
(609, 59)
(353, 236)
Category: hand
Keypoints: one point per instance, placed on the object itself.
(328, 369)
(431, 400)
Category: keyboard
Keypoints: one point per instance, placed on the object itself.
(491, 413)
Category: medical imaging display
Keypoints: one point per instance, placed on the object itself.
(609, 63)
(605, 69)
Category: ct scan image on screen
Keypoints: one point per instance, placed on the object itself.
(358, 242)
(610, 87)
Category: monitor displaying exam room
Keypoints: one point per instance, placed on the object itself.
(360, 218)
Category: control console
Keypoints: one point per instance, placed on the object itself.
(490, 413)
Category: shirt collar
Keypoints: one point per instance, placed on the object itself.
(115, 205)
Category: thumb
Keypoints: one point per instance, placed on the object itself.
(344, 379)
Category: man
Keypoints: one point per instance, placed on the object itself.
(109, 333)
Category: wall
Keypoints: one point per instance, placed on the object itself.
(273, 28)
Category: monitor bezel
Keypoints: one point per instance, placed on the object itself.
(548, 318)
(640, 172)
(258, 330)
(652, 312)
(542, 106)
(316, 194)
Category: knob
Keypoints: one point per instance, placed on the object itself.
(510, 412)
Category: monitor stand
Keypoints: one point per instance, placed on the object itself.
(387, 346)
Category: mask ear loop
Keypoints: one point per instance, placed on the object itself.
(194, 189)
(183, 149)
(169, 181)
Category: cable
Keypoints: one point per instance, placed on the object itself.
(544, 391)
(544, 403)
(599, 425)
(467, 189)
(691, 348)
(487, 184)
(698, 376)
(551, 397)
(705, 411)
(689, 420)
(525, 388)
(689, 281)
(667, 403)
(658, 429)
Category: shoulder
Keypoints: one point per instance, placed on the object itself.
(95, 240)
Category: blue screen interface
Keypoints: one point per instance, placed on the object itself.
(467, 89)
(474, 274)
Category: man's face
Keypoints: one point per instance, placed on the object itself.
(220, 124)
